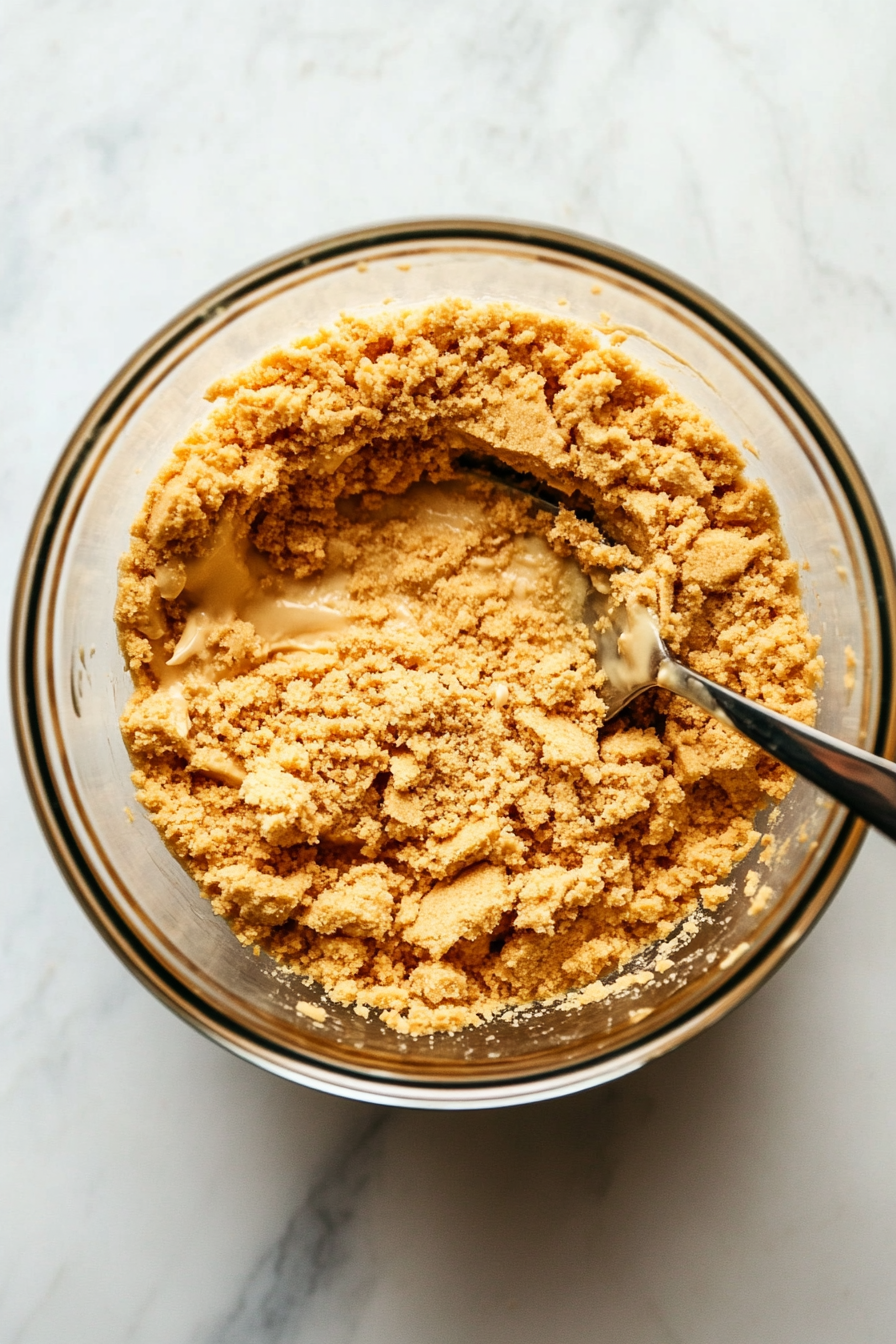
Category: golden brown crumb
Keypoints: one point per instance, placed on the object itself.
(760, 900)
(420, 806)
(849, 676)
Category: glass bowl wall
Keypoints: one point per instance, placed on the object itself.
(70, 686)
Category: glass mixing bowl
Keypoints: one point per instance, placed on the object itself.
(70, 685)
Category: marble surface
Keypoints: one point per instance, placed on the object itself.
(155, 1189)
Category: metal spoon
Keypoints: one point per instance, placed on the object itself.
(864, 783)
(634, 657)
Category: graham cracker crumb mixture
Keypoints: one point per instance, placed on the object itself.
(366, 718)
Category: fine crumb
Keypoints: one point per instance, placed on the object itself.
(760, 900)
(366, 717)
(596, 288)
(635, 978)
(750, 446)
(129, 814)
(664, 964)
(734, 955)
(597, 992)
(638, 1014)
(362, 267)
(751, 884)
(562, 303)
(312, 1010)
(402, 266)
(849, 676)
(714, 896)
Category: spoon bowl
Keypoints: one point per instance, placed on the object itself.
(633, 657)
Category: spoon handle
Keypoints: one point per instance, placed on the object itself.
(864, 783)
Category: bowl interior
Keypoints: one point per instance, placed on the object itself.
(81, 686)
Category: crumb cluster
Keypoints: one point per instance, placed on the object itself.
(417, 803)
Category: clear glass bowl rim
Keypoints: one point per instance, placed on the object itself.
(55, 824)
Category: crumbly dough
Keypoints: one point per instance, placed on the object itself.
(420, 807)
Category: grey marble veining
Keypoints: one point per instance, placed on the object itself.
(157, 1191)
(288, 1294)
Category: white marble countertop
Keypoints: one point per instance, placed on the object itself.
(155, 1189)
